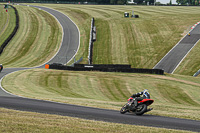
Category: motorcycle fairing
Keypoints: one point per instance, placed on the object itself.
(146, 101)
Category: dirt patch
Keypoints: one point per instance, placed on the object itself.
(174, 79)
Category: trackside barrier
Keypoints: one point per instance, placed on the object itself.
(91, 41)
(102, 66)
(76, 62)
(47, 66)
(5, 43)
(197, 73)
(113, 68)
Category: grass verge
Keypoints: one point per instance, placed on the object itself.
(190, 64)
(18, 121)
(140, 42)
(175, 96)
(7, 23)
(37, 40)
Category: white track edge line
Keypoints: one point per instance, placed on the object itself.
(173, 48)
(50, 59)
(184, 57)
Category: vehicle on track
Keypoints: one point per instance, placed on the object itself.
(141, 106)
(1, 67)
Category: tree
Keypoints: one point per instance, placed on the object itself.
(183, 2)
(170, 3)
(139, 2)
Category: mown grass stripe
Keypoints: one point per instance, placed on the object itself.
(34, 44)
(148, 38)
(102, 46)
(11, 25)
(4, 22)
(29, 39)
(108, 90)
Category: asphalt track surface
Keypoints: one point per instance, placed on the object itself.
(174, 57)
(10, 101)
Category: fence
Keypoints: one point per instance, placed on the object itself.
(92, 39)
(76, 62)
(105, 68)
(197, 73)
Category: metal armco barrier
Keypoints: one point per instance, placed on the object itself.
(105, 68)
(91, 42)
(197, 73)
(102, 66)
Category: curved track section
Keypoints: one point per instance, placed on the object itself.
(175, 56)
(70, 41)
(67, 49)
(97, 114)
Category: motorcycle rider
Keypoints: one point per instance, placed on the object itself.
(1, 67)
(136, 97)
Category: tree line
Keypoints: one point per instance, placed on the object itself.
(113, 2)
(188, 2)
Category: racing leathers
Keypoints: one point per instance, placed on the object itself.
(135, 98)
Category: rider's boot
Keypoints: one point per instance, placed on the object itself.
(135, 103)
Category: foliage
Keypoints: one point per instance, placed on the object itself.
(170, 3)
(144, 2)
(188, 2)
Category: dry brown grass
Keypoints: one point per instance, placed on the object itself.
(18, 121)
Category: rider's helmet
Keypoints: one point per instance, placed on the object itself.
(146, 94)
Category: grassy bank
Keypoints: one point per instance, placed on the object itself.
(190, 64)
(175, 96)
(7, 23)
(140, 42)
(19, 121)
(36, 41)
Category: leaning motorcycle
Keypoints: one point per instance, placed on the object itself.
(1, 67)
(141, 107)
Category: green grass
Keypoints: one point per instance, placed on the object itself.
(82, 20)
(3, 19)
(7, 23)
(18, 121)
(190, 64)
(109, 90)
(37, 40)
(140, 42)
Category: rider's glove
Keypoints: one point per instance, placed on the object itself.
(130, 98)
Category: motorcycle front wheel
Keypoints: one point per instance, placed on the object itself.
(141, 109)
(124, 109)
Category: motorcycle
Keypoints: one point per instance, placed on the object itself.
(1, 67)
(141, 107)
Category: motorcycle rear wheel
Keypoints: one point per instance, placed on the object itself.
(141, 109)
(124, 109)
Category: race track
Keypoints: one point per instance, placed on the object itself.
(69, 44)
(174, 57)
